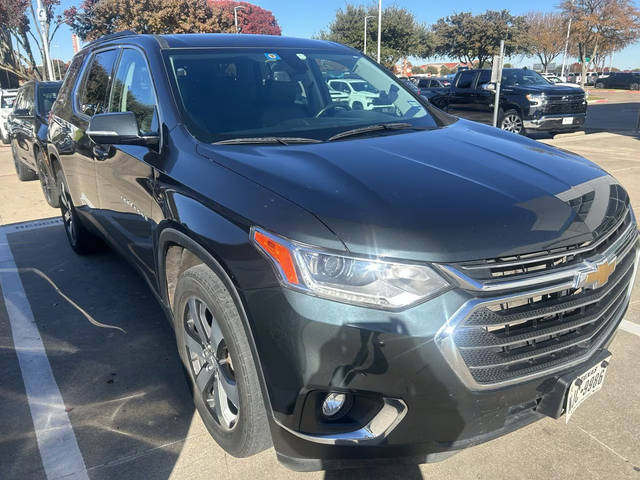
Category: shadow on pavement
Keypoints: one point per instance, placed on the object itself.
(402, 472)
(124, 388)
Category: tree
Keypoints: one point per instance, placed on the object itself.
(16, 17)
(432, 70)
(95, 18)
(402, 36)
(251, 18)
(547, 35)
(444, 70)
(470, 38)
(600, 24)
(417, 69)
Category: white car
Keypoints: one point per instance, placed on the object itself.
(7, 97)
(361, 94)
(556, 80)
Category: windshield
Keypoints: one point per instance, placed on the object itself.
(7, 102)
(253, 93)
(520, 78)
(46, 97)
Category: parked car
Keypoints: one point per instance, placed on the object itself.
(7, 97)
(573, 77)
(429, 87)
(554, 79)
(630, 81)
(28, 127)
(349, 285)
(362, 95)
(527, 101)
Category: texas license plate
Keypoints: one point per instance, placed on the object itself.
(584, 386)
(567, 120)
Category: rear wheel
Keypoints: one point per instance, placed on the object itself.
(599, 85)
(512, 122)
(216, 354)
(634, 86)
(81, 240)
(48, 184)
(25, 174)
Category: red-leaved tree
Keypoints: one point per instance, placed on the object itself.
(251, 18)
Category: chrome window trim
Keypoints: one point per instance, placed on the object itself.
(444, 338)
(374, 432)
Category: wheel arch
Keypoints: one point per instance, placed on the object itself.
(176, 252)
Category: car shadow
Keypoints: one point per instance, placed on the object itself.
(112, 353)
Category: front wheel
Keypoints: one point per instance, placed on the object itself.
(48, 184)
(25, 174)
(215, 351)
(634, 86)
(81, 240)
(599, 85)
(512, 122)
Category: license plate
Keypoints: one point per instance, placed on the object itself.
(567, 120)
(584, 386)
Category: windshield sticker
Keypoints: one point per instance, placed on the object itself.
(272, 57)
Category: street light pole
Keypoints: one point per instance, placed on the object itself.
(566, 47)
(235, 15)
(44, 29)
(365, 31)
(379, 27)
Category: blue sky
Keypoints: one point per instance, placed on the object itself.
(304, 18)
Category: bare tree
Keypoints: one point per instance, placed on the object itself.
(546, 35)
(600, 24)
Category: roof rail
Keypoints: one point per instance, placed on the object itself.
(111, 36)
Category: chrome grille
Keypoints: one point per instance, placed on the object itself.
(546, 320)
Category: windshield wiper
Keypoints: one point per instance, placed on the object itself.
(266, 140)
(376, 128)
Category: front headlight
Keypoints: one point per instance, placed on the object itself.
(370, 282)
(536, 99)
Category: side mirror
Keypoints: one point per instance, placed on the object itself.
(488, 86)
(118, 128)
(22, 113)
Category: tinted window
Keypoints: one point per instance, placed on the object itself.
(239, 93)
(46, 96)
(70, 77)
(485, 77)
(465, 79)
(423, 83)
(133, 91)
(93, 97)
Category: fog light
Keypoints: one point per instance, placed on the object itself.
(332, 404)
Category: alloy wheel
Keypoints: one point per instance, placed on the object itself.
(67, 214)
(210, 364)
(511, 123)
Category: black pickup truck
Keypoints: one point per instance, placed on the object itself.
(527, 101)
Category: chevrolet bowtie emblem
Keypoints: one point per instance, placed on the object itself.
(598, 274)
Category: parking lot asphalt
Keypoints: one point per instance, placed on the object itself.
(121, 388)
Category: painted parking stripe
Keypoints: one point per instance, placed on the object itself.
(630, 327)
(59, 451)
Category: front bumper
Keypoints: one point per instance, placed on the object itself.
(308, 345)
(556, 122)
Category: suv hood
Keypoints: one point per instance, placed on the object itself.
(462, 192)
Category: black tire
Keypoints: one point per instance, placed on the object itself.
(357, 106)
(599, 85)
(24, 173)
(81, 240)
(634, 86)
(47, 183)
(511, 121)
(250, 433)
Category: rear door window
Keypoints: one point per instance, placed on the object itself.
(93, 95)
(465, 79)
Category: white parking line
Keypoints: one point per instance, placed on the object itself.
(59, 451)
(630, 327)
